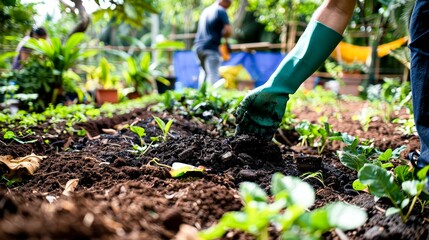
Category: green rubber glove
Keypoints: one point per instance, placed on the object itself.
(262, 110)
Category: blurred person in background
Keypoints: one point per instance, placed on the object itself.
(23, 52)
(212, 26)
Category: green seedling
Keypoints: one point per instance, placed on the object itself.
(141, 133)
(316, 175)
(404, 196)
(179, 169)
(314, 135)
(288, 212)
(356, 153)
(10, 182)
(165, 127)
(81, 132)
(407, 126)
(11, 135)
(366, 117)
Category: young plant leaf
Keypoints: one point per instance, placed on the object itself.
(358, 186)
(402, 173)
(380, 182)
(345, 217)
(250, 191)
(9, 135)
(352, 161)
(422, 174)
(392, 210)
(412, 187)
(179, 169)
(293, 190)
(141, 132)
(396, 153)
(385, 156)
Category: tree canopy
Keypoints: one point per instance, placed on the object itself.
(16, 18)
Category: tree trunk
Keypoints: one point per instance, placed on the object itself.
(85, 19)
(241, 13)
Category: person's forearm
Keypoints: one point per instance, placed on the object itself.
(335, 14)
(226, 33)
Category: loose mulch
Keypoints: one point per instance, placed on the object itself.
(122, 194)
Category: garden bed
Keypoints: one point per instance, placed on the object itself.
(123, 195)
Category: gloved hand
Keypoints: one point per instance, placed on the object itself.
(262, 110)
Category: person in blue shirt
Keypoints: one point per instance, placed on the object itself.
(212, 26)
(262, 109)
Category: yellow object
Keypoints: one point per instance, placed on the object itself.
(224, 51)
(349, 53)
(233, 73)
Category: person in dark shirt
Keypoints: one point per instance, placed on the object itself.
(212, 26)
(23, 52)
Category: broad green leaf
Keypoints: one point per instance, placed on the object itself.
(380, 182)
(402, 173)
(392, 210)
(387, 165)
(9, 135)
(345, 217)
(130, 11)
(317, 219)
(290, 215)
(396, 153)
(349, 139)
(7, 55)
(385, 156)
(145, 62)
(411, 187)
(405, 203)
(132, 65)
(219, 229)
(89, 53)
(352, 161)
(293, 189)
(422, 174)
(141, 132)
(252, 192)
(73, 41)
(235, 220)
(358, 186)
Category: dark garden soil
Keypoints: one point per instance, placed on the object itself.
(121, 195)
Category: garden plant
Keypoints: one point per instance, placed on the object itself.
(171, 166)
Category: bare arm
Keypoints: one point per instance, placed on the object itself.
(227, 30)
(335, 14)
(24, 55)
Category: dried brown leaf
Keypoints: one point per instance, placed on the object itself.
(70, 186)
(29, 163)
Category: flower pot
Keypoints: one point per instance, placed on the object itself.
(163, 88)
(106, 95)
(133, 95)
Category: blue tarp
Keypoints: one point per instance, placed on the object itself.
(260, 66)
